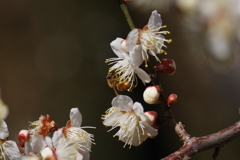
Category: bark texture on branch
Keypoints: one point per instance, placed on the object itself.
(195, 145)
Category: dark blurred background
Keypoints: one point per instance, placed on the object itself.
(52, 57)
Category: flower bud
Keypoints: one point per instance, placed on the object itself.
(152, 116)
(167, 67)
(23, 136)
(47, 153)
(172, 98)
(151, 95)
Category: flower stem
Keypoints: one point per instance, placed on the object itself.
(124, 8)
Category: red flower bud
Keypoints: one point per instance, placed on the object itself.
(23, 136)
(172, 98)
(167, 67)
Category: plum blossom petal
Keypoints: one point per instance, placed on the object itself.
(11, 150)
(67, 149)
(37, 143)
(149, 130)
(57, 137)
(3, 110)
(143, 75)
(3, 130)
(112, 119)
(116, 47)
(122, 103)
(132, 39)
(138, 109)
(155, 20)
(76, 117)
(136, 57)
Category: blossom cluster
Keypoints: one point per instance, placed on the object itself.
(133, 51)
(70, 142)
(135, 125)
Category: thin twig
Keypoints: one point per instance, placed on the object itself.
(126, 13)
(216, 153)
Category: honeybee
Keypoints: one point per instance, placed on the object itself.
(123, 86)
(112, 78)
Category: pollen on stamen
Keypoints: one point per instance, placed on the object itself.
(167, 32)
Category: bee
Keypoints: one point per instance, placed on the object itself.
(112, 78)
(123, 86)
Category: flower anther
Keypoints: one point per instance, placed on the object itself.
(44, 126)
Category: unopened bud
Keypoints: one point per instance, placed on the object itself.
(167, 67)
(151, 95)
(23, 136)
(47, 153)
(152, 116)
(172, 98)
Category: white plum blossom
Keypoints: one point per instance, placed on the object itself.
(62, 150)
(8, 148)
(39, 130)
(75, 135)
(126, 66)
(151, 38)
(130, 117)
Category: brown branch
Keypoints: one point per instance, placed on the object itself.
(195, 145)
(168, 113)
